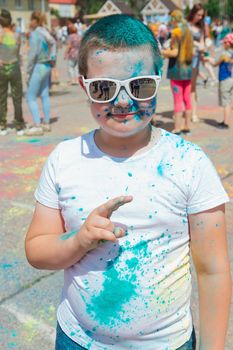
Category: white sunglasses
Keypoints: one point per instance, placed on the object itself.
(104, 90)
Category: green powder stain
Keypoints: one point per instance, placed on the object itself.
(73, 197)
(118, 289)
(68, 235)
(150, 216)
(108, 305)
(33, 140)
(130, 174)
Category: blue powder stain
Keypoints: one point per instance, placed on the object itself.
(68, 235)
(160, 169)
(80, 209)
(73, 197)
(66, 138)
(107, 306)
(98, 52)
(6, 266)
(72, 334)
(138, 68)
(126, 189)
(175, 89)
(130, 174)
(137, 118)
(150, 216)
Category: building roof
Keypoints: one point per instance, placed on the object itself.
(125, 8)
(65, 2)
(169, 4)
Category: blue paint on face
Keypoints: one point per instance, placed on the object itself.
(138, 68)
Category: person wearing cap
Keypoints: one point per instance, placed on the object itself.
(225, 63)
(10, 73)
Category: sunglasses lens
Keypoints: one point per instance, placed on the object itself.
(102, 90)
(143, 88)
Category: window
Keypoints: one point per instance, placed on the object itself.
(31, 5)
(18, 4)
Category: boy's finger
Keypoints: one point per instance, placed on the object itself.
(119, 232)
(109, 207)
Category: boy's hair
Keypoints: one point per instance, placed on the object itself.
(118, 32)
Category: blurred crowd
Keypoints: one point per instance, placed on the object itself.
(187, 42)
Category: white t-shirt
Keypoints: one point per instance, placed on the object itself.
(134, 294)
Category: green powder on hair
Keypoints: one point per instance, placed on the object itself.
(118, 32)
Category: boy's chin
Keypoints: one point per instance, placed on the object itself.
(124, 130)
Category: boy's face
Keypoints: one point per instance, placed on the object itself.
(123, 116)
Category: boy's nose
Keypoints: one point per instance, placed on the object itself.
(123, 99)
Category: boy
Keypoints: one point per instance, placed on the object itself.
(225, 63)
(127, 274)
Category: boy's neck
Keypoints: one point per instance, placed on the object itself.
(124, 147)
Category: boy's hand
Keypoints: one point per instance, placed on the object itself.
(98, 225)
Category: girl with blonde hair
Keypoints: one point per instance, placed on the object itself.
(180, 70)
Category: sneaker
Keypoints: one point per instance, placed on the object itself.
(46, 127)
(34, 131)
(4, 131)
(176, 132)
(20, 132)
(222, 125)
(195, 119)
(186, 131)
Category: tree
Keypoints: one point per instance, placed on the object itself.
(230, 9)
(213, 8)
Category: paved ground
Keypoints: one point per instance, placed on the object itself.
(28, 297)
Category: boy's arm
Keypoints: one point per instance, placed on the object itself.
(211, 260)
(48, 246)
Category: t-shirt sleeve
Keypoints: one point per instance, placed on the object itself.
(47, 191)
(206, 189)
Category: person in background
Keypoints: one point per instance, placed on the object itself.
(162, 34)
(179, 71)
(196, 24)
(225, 63)
(71, 54)
(10, 73)
(42, 52)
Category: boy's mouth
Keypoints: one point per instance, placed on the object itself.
(120, 113)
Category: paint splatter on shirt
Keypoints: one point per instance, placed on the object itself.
(134, 293)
